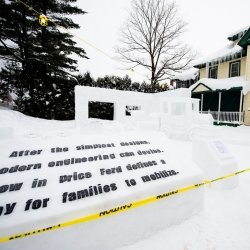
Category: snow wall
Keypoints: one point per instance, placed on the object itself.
(160, 103)
(48, 182)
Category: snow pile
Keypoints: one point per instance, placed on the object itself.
(189, 74)
(224, 84)
(229, 50)
(31, 127)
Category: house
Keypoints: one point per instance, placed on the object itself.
(224, 85)
(186, 78)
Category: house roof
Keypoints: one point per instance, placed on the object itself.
(237, 34)
(245, 40)
(188, 74)
(210, 84)
(229, 50)
(233, 49)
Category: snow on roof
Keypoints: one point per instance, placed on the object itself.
(224, 84)
(229, 50)
(236, 32)
(187, 74)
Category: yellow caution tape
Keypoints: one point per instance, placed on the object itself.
(120, 209)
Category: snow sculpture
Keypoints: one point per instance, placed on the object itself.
(213, 157)
(46, 183)
(120, 99)
(173, 112)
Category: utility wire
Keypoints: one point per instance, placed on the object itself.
(79, 38)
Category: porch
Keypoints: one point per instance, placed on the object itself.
(224, 99)
(226, 117)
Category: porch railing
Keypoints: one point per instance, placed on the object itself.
(226, 117)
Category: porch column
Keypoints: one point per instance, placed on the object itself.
(207, 70)
(241, 97)
(218, 118)
(201, 103)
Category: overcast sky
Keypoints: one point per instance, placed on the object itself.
(209, 24)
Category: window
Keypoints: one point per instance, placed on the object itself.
(165, 107)
(213, 72)
(130, 108)
(178, 108)
(234, 69)
(101, 110)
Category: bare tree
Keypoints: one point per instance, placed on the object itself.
(150, 38)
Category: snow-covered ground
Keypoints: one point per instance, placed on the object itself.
(224, 224)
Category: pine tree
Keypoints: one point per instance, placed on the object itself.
(85, 80)
(37, 59)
